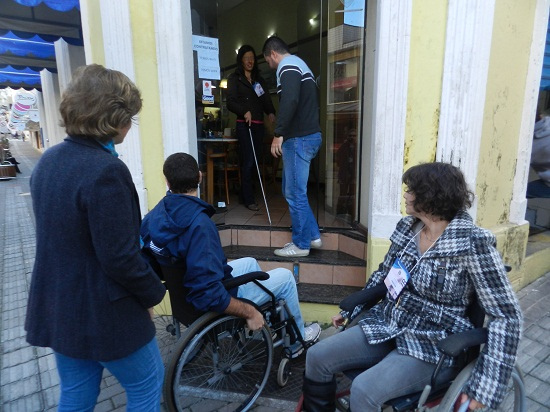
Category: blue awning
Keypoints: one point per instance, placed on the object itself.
(28, 29)
(59, 5)
(545, 79)
(19, 77)
(31, 47)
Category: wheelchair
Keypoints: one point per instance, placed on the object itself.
(437, 396)
(217, 361)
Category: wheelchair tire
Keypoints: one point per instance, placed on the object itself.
(217, 362)
(514, 401)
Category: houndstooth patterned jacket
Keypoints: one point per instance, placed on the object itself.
(432, 307)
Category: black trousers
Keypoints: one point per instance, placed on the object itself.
(249, 174)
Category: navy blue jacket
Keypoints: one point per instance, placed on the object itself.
(180, 227)
(90, 287)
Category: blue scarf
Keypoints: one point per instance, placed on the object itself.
(109, 147)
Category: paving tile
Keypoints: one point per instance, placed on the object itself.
(51, 397)
(18, 373)
(28, 403)
(18, 357)
(20, 389)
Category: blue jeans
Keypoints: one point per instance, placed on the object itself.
(141, 374)
(281, 282)
(387, 374)
(297, 155)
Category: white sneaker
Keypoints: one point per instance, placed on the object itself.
(312, 333)
(291, 250)
(316, 244)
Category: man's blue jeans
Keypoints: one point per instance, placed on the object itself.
(297, 155)
(141, 374)
(281, 282)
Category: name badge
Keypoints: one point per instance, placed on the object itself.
(258, 89)
(397, 278)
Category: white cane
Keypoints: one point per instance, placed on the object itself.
(259, 175)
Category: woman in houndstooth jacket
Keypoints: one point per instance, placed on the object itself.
(449, 261)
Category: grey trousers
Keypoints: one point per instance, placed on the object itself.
(386, 373)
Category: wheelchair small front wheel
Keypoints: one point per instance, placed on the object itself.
(514, 401)
(283, 373)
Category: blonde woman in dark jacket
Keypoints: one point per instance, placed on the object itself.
(443, 260)
(92, 294)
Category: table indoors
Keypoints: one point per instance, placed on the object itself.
(210, 144)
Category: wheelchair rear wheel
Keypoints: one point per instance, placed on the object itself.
(515, 400)
(218, 363)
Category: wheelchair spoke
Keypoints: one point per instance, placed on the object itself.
(221, 364)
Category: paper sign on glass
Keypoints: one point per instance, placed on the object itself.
(397, 278)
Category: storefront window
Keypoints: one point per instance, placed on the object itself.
(343, 105)
(329, 36)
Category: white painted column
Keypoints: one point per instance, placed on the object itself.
(175, 74)
(68, 58)
(391, 71)
(518, 206)
(117, 38)
(465, 70)
(50, 91)
(42, 113)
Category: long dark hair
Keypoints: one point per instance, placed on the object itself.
(240, 68)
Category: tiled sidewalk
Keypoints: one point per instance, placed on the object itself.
(29, 381)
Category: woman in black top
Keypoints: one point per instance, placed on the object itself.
(248, 98)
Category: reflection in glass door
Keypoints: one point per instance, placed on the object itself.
(344, 89)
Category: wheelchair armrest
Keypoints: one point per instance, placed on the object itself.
(369, 297)
(453, 345)
(241, 280)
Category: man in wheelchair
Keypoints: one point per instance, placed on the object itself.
(179, 231)
(438, 263)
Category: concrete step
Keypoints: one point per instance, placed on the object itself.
(325, 276)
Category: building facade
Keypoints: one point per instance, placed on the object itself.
(417, 80)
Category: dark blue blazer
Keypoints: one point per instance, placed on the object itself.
(90, 287)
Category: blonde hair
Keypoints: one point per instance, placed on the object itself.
(98, 102)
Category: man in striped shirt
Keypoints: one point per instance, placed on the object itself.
(297, 139)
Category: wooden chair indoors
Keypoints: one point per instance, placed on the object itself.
(225, 163)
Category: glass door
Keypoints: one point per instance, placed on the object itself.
(343, 118)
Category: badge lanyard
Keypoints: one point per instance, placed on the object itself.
(398, 276)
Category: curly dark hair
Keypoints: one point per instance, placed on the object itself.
(98, 102)
(439, 189)
(240, 67)
(182, 173)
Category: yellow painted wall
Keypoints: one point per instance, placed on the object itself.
(506, 82)
(150, 126)
(508, 65)
(427, 51)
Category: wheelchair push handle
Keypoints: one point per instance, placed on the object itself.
(241, 280)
